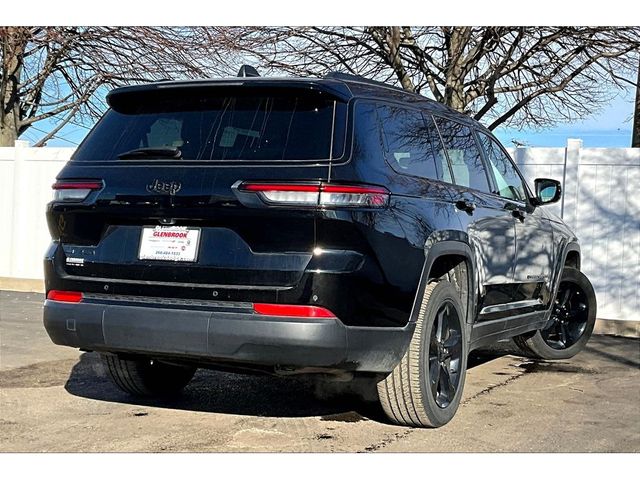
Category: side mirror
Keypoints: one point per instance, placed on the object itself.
(547, 191)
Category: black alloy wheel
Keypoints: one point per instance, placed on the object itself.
(445, 355)
(571, 321)
(425, 388)
(568, 320)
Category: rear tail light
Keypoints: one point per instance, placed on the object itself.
(64, 296)
(74, 191)
(286, 194)
(279, 310)
(343, 195)
(319, 194)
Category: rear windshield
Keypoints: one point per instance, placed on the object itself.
(287, 126)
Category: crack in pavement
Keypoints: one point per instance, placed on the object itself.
(389, 439)
(490, 388)
(528, 367)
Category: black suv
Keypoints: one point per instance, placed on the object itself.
(330, 225)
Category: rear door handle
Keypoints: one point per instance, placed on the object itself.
(466, 205)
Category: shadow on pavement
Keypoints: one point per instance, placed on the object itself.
(608, 347)
(220, 392)
(493, 352)
(240, 394)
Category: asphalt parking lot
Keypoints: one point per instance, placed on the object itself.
(55, 398)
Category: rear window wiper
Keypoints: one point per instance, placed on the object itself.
(146, 152)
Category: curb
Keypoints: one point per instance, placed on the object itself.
(21, 285)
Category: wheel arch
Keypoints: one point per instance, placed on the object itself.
(572, 257)
(452, 258)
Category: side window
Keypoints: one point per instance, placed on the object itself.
(508, 182)
(412, 143)
(464, 155)
(367, 142)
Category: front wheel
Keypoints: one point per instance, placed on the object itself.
(425, 388)
(571, 323)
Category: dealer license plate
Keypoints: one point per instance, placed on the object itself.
(176, 244)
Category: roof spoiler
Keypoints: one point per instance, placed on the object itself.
(123, 98)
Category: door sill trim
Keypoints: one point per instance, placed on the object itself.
(503, 307)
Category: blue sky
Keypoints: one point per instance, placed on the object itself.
(609, 128)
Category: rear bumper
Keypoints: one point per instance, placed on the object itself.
(225, 334)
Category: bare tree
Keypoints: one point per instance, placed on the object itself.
(635, 136)
(502, 75)
(54, 72)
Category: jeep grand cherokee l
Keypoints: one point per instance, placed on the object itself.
(305, 225)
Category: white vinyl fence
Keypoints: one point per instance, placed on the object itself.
(26, 176)
(601, 202)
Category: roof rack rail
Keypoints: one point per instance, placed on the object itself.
(360, 79)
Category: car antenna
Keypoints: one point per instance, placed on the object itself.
(247, 71)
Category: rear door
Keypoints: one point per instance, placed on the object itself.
(489, 225)
(175, 218)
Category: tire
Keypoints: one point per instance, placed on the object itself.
(144, 377)
(406, 394)
(546, 343)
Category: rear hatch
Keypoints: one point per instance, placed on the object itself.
(154, 193)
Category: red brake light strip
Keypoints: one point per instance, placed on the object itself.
(76, 185)
(272, 187)
(285, 187)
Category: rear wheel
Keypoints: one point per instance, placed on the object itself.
(425, 388)
(145, 377)
(571, 323)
